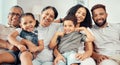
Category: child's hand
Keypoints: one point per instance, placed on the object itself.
(33, 49)
(82, 56)
(59, 58)
(31, 46)
(21, 47)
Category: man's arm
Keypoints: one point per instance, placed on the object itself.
(3, 44)
(98, 57)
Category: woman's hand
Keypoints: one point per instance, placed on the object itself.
(82, 56)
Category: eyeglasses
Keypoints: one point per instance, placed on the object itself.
(13, 14)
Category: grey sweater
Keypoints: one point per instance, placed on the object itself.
(71, 42)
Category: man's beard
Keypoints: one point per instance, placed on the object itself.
(100, 24)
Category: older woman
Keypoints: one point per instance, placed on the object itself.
(46, 31)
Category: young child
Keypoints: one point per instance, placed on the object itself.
(69, 41)
(28, 36)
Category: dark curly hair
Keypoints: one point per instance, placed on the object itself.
(87, 21)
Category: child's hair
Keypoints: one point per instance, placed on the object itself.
(30, 14)
(71, 18)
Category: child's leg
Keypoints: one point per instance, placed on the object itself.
(47, 63)
(26, 58)
(36, 62)
(71, 60)
(88, 61)
(61, 63)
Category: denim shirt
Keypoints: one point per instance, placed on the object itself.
(32, 36)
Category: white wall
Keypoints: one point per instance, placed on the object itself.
(0, 11)
(112, 7)
(5, 6)
(61, 5)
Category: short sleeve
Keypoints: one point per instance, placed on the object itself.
(83, 37)
(18, 30)
(18, 37)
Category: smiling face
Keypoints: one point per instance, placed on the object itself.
(80, 14)
(99, 16)
(14, 16)
(68, 26)
(47, 17)
(27, 23)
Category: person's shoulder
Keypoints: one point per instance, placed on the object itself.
(54, 23)
(18, 29)
(1, 25)
(114, 24)
(93, 27)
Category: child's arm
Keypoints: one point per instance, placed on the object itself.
(88, 51)
(58, 56)
(12, 39)
(53, 42)
(90, 37)
(31, 46)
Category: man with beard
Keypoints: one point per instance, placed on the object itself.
(107, 38)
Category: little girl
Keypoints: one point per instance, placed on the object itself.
(29, 44)
(70, 41)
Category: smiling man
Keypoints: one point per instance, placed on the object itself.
(107, 37)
